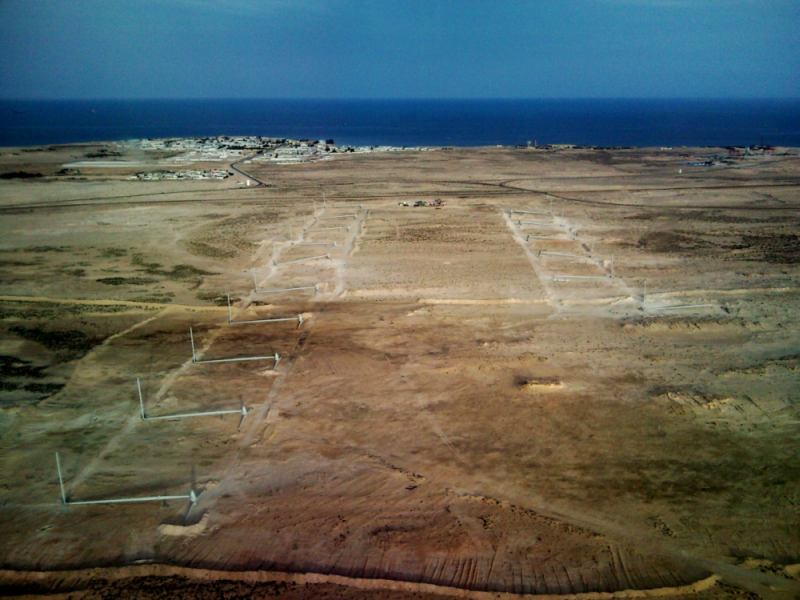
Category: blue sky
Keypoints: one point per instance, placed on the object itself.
(399, 48)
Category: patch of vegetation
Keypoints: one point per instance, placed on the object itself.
(186, 272)
(113, 252)
(16, 263)
(154, 586)
(204, 249)
(11, 366)
(46, 249)
(78, 272)
(70, 344)
(178, 272)
(41, 389)
(126, 280)
(103, 153)
(163, 298)
(216, 298)
(228, 237)
(671, 241)
(778, 248)
(51, 310)
(19, 175)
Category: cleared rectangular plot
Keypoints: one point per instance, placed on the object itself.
(455, 252)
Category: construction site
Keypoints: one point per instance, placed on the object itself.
(469, 373)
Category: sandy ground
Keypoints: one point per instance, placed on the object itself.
(595, 397)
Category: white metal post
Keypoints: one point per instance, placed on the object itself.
(141, 399)
(60, 479)
(191, 339)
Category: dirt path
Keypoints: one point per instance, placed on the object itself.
(78, 579)
(131, 303)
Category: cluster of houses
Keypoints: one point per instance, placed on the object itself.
(233, 148)
(183, 175)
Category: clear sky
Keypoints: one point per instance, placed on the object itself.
(399, 48)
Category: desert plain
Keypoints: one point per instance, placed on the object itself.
(579, 376)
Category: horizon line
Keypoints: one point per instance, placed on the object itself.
(386, 98)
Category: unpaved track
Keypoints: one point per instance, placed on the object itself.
(76, 580)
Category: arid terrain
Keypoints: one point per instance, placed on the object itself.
(579, 377)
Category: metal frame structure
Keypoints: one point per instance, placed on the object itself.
(232, 321)
(209, 413)
(345, 227)
(529, 211)
(301, 260)
(314, 287)
(538, 223)
(351, 216)
(273, 357)
(561, 254)
(191, 496)
(686, 306)
(579, 277)
(314, 244)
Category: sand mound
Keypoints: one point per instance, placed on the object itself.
(184, 530)
(539, 384)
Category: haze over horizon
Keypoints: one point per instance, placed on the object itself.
(341, 49)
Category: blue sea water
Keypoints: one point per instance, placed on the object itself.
(412, 122)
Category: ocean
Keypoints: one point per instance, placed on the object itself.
(412, 122)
